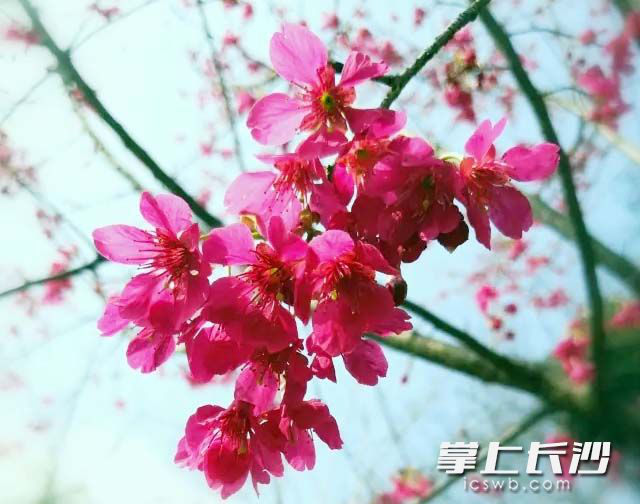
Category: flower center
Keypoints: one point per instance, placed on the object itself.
(269, 278)
(327, 101)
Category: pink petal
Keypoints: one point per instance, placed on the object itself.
(536, 163)
(343, 183)
(331, 244)
(482, 139)
(257, 387)
(336, 331)
(275, 119)
(479, 220)
(247, 193)
(111, 322)
(301, 453)
(297, 54)
(370, 255)
(289, 246)
(366, 363)
(229, 245)
(124, 244)
(149, 350)
(322, 143)
(165, 211)
(377, 123)
(414, 151)
(359, 68)
(510, 211)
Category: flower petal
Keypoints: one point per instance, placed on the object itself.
(229, 245)
(124, 244)
(537, 163)
(359, 68)
(247, 192)
(377, 123)
(274, 119)
(366, 363)
(297, 54)
(331, 244)
(482, 139)
(510, 211)
(165, 211)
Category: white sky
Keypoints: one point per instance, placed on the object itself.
(85, 427)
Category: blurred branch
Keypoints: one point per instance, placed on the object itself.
(614, 263)
(60, 276)
(501, 362)
(465, 17)
(99, 146)
(536, 381)
(71, 76)
(613, 137)
(27, 94)
(231, 117)
(583, 239)
(507, 437)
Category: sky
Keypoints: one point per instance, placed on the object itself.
(80, 426)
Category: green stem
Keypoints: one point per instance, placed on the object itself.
(460, 22)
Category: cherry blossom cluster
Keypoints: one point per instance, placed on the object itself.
(298, 281)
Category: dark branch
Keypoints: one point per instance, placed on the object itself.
(512, 368)
(460, 22)
(60, 276)
(71, 77)
(583, 239)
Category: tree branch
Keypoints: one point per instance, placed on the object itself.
(60, 276)
(583, 239)
(460, 22)
(231, 117)
(71, 76)
(536, 382)
(509, 366)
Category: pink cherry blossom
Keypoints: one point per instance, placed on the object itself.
(320, 106)
(170, 253)
(350, 301)
(486, 188)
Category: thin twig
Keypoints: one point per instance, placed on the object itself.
(71, 76)
(231, 116)
(460, 22)
(60, 276)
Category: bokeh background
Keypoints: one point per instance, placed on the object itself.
(79, 426)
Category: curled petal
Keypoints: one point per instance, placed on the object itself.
(482, 139)
(359, 68)
(165, 211)
(536, 163)
(331, 244)
(247, 193)
(274, 119)
(377, 123)
(322, 143)
(366, 363)
(230, 245)
(149, 350)
(479, 220)
(510, 211)
(297, 54)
